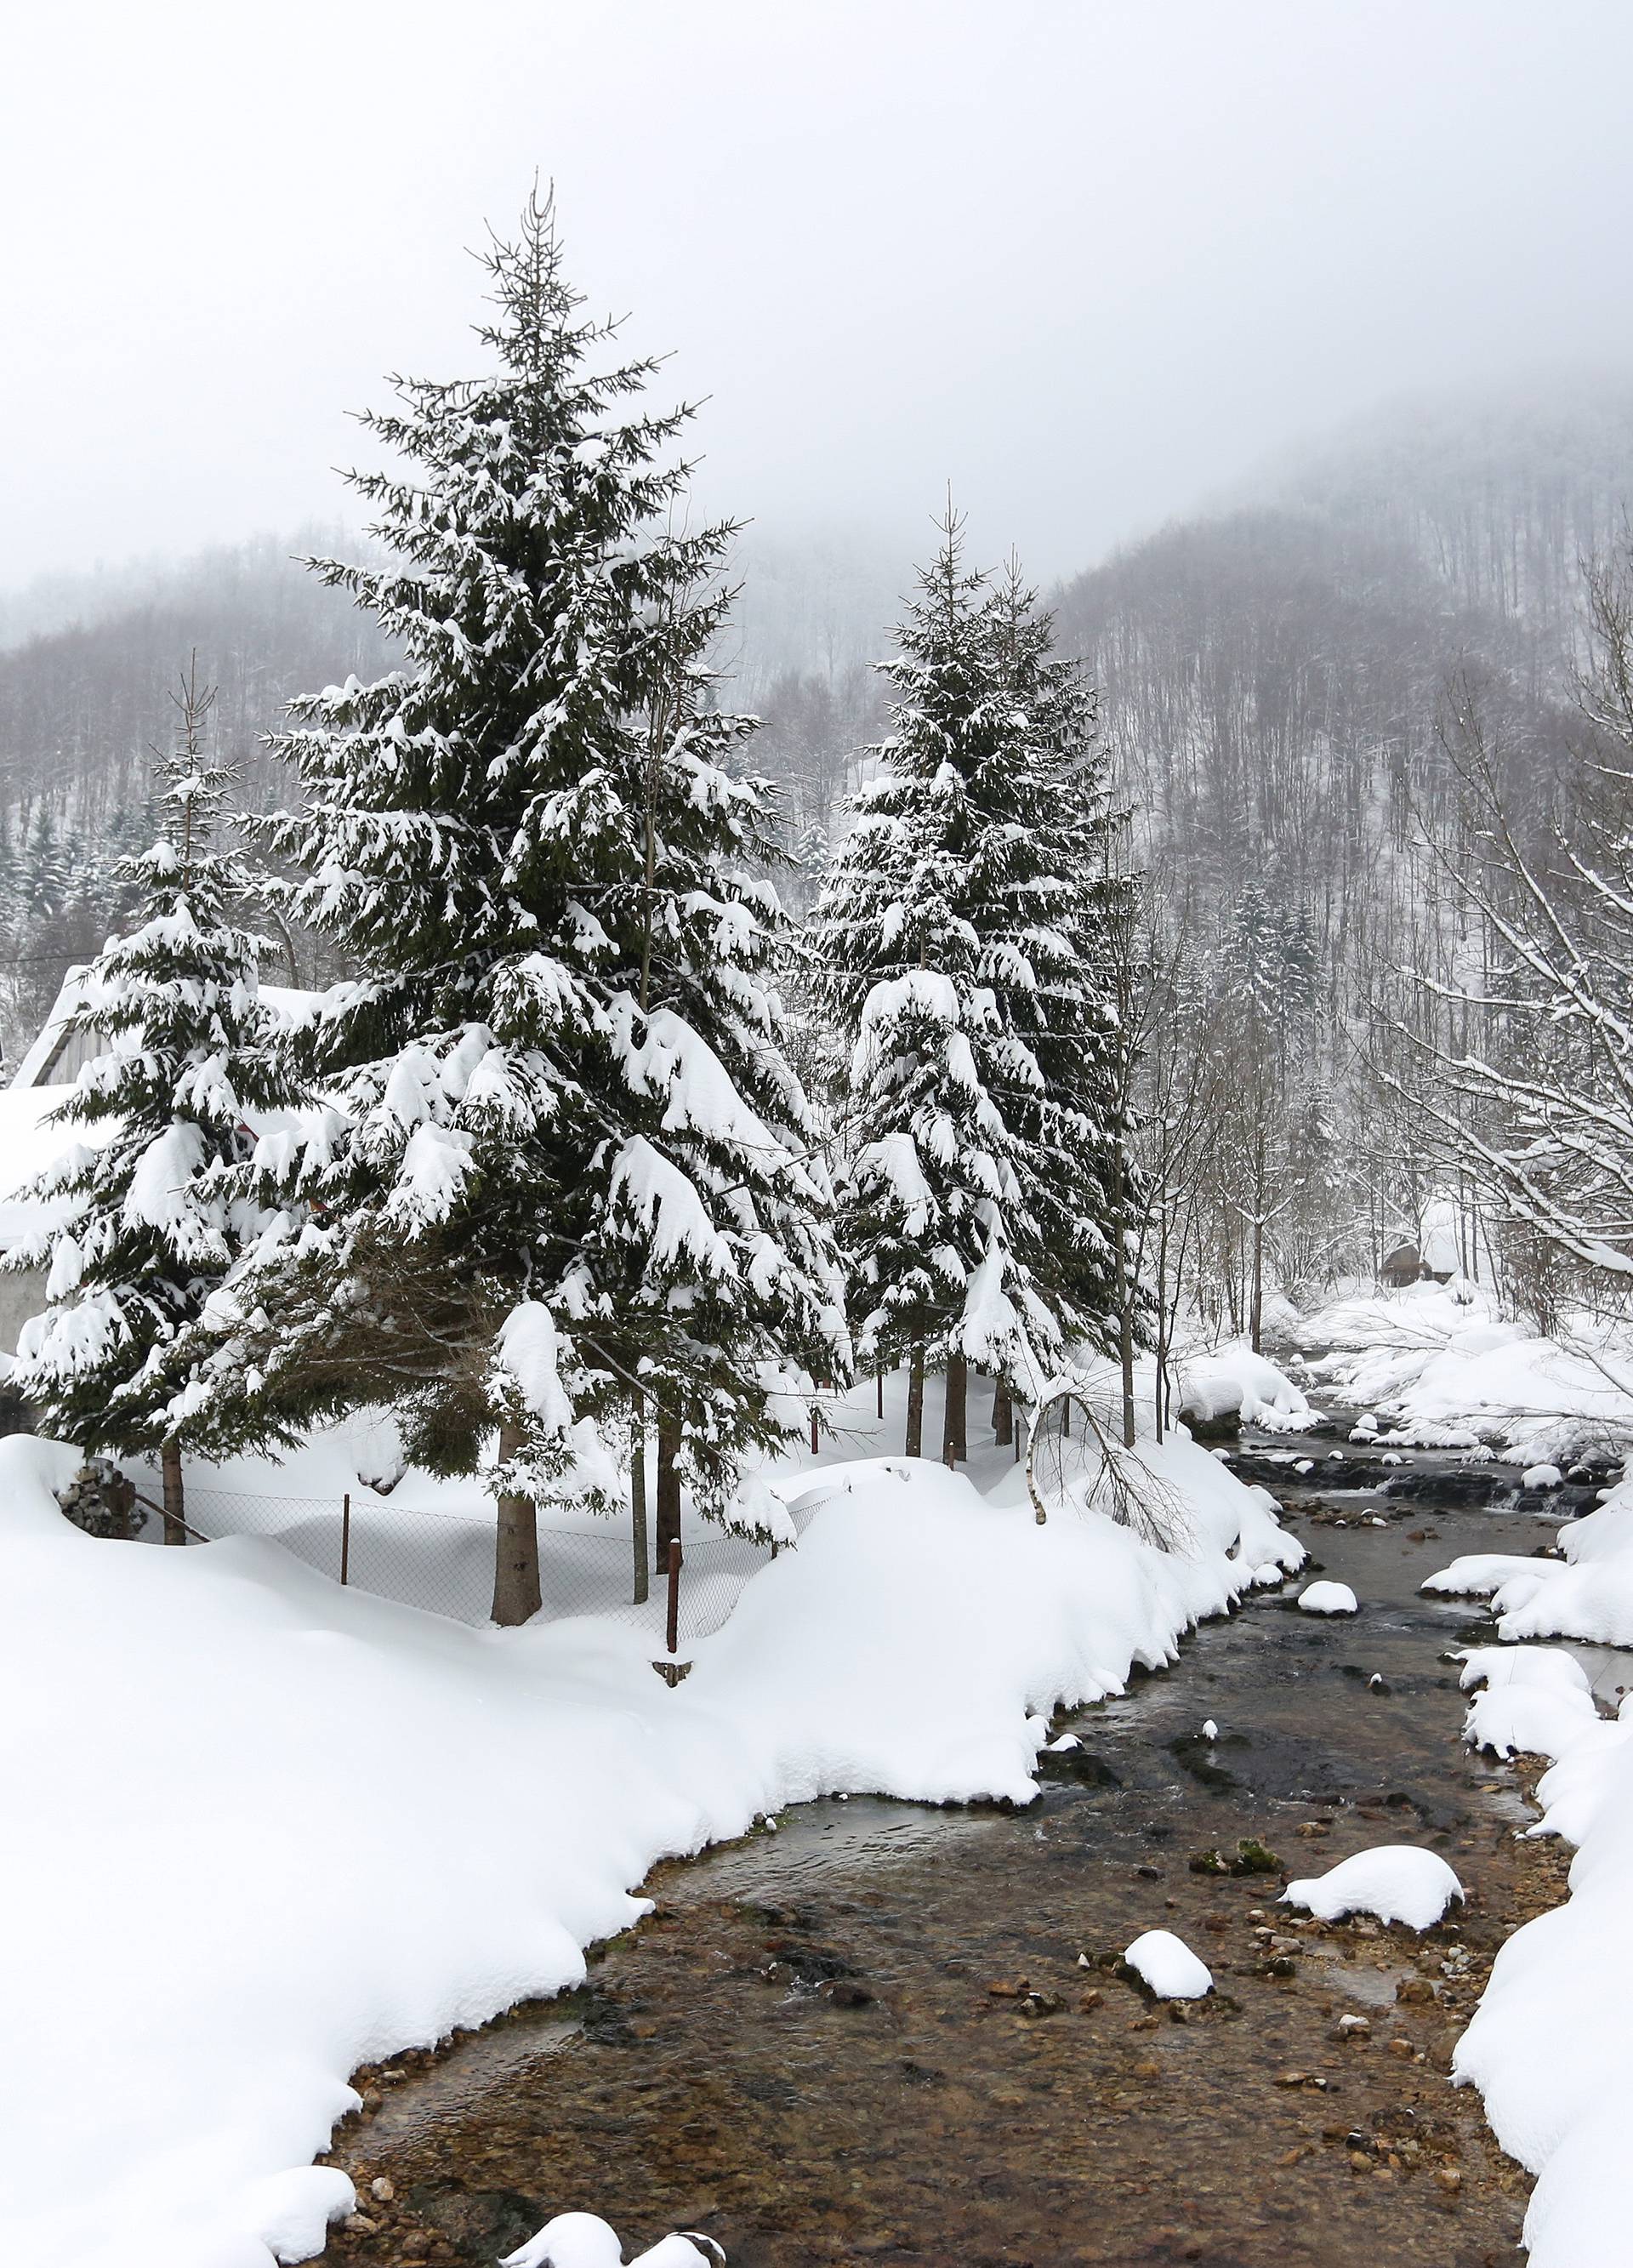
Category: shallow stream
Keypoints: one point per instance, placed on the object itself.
(870, 2037)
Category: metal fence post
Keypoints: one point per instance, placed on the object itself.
(345, 1535)
(672, 1625)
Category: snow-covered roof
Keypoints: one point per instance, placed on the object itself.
(44, 1080)
(27, 1147)
(1440, 1239)
(44, 1063)
(36, 1064)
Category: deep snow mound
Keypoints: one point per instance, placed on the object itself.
(1328, 1598)
(1395, 1881)
(1232, 1381)
(1548, 2046)
(216, 1891)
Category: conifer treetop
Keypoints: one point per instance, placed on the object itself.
(962, 940)
(557, 1072)
(140, 1221)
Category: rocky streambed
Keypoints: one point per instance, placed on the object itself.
(891, 2034)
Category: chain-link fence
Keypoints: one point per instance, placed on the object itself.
(442, 1561)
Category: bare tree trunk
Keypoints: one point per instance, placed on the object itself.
(1002, 1416)
(1260, 1195)
(916, 1403)
(1160, 1380)
(170, 1466)
(1125, 1313)
(637, 1492)
(516, 1596)
(668, 1489)
(955, 1421)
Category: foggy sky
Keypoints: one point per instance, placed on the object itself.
(1086, 262)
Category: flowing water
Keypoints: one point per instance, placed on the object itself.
(872, 2038)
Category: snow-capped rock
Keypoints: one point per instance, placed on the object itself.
(584, 2240)
(1396, 1882)
(1328, 1599)
(1168, 1964)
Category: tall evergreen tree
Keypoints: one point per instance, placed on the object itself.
(570, 1176)
(1064, 971)
(140, 1222)
(965, 938)
(913, 934)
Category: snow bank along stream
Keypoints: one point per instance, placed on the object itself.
(1549, 2048)
(275, 1831)
(869, 2035)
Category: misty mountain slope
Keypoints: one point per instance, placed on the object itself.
(1273, 677)
(1501, 496)
(82, 706)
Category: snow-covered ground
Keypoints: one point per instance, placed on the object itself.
(1588, 1595)
(1232, 1381)
(1442, 1370)
(1547, 2047)
(270, 1829)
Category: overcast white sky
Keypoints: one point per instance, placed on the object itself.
(1087, 260)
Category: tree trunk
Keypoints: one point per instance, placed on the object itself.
(1256, 1312)
(516, 1597)
(637, 1492)
(668, 1489)
(170, 1466)
(916, 1403)
(1002, 1416)
(1160, 1381)
(955, 1446)
(1125, 1311)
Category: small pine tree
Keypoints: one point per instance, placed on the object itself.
(46, 873)
(142, 1226)
(919, 935)
(1061, 970)
(572, 1177)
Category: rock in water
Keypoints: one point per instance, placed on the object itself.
(584, 2240)
(1328, 1599)
(1167, 1963)
(1396, 1882)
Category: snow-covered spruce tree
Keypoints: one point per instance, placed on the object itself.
(569, 1180)
(140, 1221)
(951, 939)
(1072, 983)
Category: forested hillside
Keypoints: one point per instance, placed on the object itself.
(1290, 688)
(1273, 682)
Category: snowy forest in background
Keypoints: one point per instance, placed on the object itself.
(1288, 687)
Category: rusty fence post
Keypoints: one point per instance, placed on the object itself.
(879, 1385)
(345, 1535)
(672, 1620)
